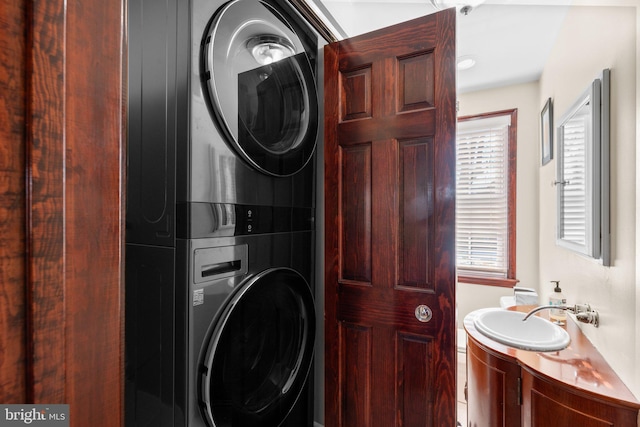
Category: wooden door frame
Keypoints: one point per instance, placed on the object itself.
(67, 276)
(12, 202)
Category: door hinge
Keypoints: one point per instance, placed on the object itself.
(519, 391)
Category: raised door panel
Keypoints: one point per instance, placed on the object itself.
(355, 209)
(414, 359)
(406, 373)
(355, 383)
(416, 217)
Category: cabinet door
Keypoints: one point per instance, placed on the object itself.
(493, 389)
(547, 405)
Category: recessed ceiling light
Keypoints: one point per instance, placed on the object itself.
(465, 62)
(460, 5)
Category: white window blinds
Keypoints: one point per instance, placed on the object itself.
(482, 210)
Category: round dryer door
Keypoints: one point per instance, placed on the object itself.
(260, 86)
(260, 351)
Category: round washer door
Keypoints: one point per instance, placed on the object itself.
(260, 352)
(260, 86)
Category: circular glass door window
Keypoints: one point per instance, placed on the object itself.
(260, 352)
(260, 86)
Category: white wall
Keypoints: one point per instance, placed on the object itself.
(594, 38)
(525, 98)
(635, 386)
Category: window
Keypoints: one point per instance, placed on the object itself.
(485, 198)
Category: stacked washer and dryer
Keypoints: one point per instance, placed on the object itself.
(223, 126)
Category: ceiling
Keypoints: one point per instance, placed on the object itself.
(510, 40)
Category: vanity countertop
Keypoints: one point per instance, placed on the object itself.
(579, 366)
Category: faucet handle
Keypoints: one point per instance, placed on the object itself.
(590, 317)
(579, 308)
(585, 314)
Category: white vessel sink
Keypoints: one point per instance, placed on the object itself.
(507, 327)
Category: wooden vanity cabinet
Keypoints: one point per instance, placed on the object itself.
(571, 387)
(493, 389)
(546, 404)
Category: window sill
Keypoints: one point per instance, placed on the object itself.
(488, 281)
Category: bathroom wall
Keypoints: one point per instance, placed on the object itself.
(636, 383)
(525, 98)
(594, 38)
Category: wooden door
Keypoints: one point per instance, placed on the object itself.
(390, 202)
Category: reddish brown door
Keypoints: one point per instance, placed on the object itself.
(389, 191)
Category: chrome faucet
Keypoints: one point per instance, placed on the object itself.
(548, 307)
(583, 312)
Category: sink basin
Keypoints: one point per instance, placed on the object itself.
(507, 327)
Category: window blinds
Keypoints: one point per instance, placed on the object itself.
(482, 177)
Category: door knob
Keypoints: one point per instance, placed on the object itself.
(423, 313)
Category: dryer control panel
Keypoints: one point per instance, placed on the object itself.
(202, 220)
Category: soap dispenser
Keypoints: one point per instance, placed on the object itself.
(556, 315)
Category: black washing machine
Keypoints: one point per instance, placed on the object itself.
(223, 126)
(250, 319)
(220, 330)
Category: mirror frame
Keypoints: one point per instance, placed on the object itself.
(596, 177)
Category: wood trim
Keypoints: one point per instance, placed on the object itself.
(332, 374)
(75, 234)
(314, 20)
(510, 280)
(489, 281)
(513, 173)
(12, 203)
(45, 203)
(94, 213)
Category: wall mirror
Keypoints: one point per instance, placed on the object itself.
(583, 173)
